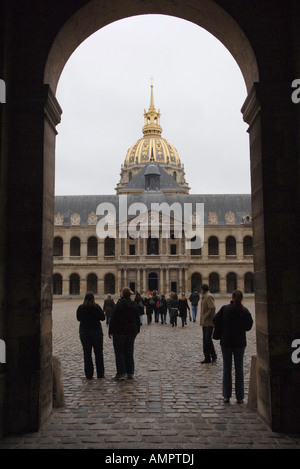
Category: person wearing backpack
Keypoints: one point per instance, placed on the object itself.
(194, 299)
(232, 322)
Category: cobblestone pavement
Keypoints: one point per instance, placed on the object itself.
(173, 403)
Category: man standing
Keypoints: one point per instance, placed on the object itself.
(207, 313)
(194, 299)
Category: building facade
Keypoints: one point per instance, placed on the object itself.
(153, 176)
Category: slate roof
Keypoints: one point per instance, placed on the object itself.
(167, 183)
(221, 204)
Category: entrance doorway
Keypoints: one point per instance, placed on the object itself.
(152, 281)
(196, 282)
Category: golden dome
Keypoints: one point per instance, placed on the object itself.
(152, 147)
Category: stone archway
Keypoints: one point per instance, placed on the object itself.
(153, 281)
(28, 124)
(208, 14)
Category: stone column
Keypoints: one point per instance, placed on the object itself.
(161, 280)
(138, 278)
(204, 251)
(100, 249)
(83, 286)
(186, 286)
(223, 284)
(239, 250)
(138, 246)
(100, 285)
(66, 249)
(83, 250)
(26, 211)
(66, 286)
(144, 280)
(119, 281)
(222, 250)
(119, 247)
(180, 280)
(275, 153)
(167, 282)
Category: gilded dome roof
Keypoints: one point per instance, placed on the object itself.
(152, 147)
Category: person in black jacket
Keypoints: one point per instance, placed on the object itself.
(183, 306)
(123, 327)
(194, 299)
(108, 307)
(89, 314)
(232, 322)
(140, 305)
(172, 305)
(162, 309)
(149, 304)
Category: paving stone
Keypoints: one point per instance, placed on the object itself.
(173, 403)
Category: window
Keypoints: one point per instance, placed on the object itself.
(109, 247)
(75, 247)
(152, 281)
(196, 282)
(92, 283)
(57, 246)
(248, 246)
(109, 284)
(74, 285)
(213, 246)
(152, 246)
(132, 250)
(197, 251)
(173, 249)
(57, 284)
(214, 282)
(231, 281)
(249, 282)
(230, 246)
(92, 247)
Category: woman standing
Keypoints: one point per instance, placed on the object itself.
(172, 304)
(124, 326)
(183, 307)
(232, 322)
(148, 302)
(162, 309)
(140, 305)
(89, 314)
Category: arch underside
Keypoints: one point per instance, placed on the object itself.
(94, 15)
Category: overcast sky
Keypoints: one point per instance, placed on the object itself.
(105, 87)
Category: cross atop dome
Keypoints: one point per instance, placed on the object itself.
(152, 118)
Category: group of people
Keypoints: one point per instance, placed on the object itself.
(123, 326)
(124, 318)
(158, 306)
